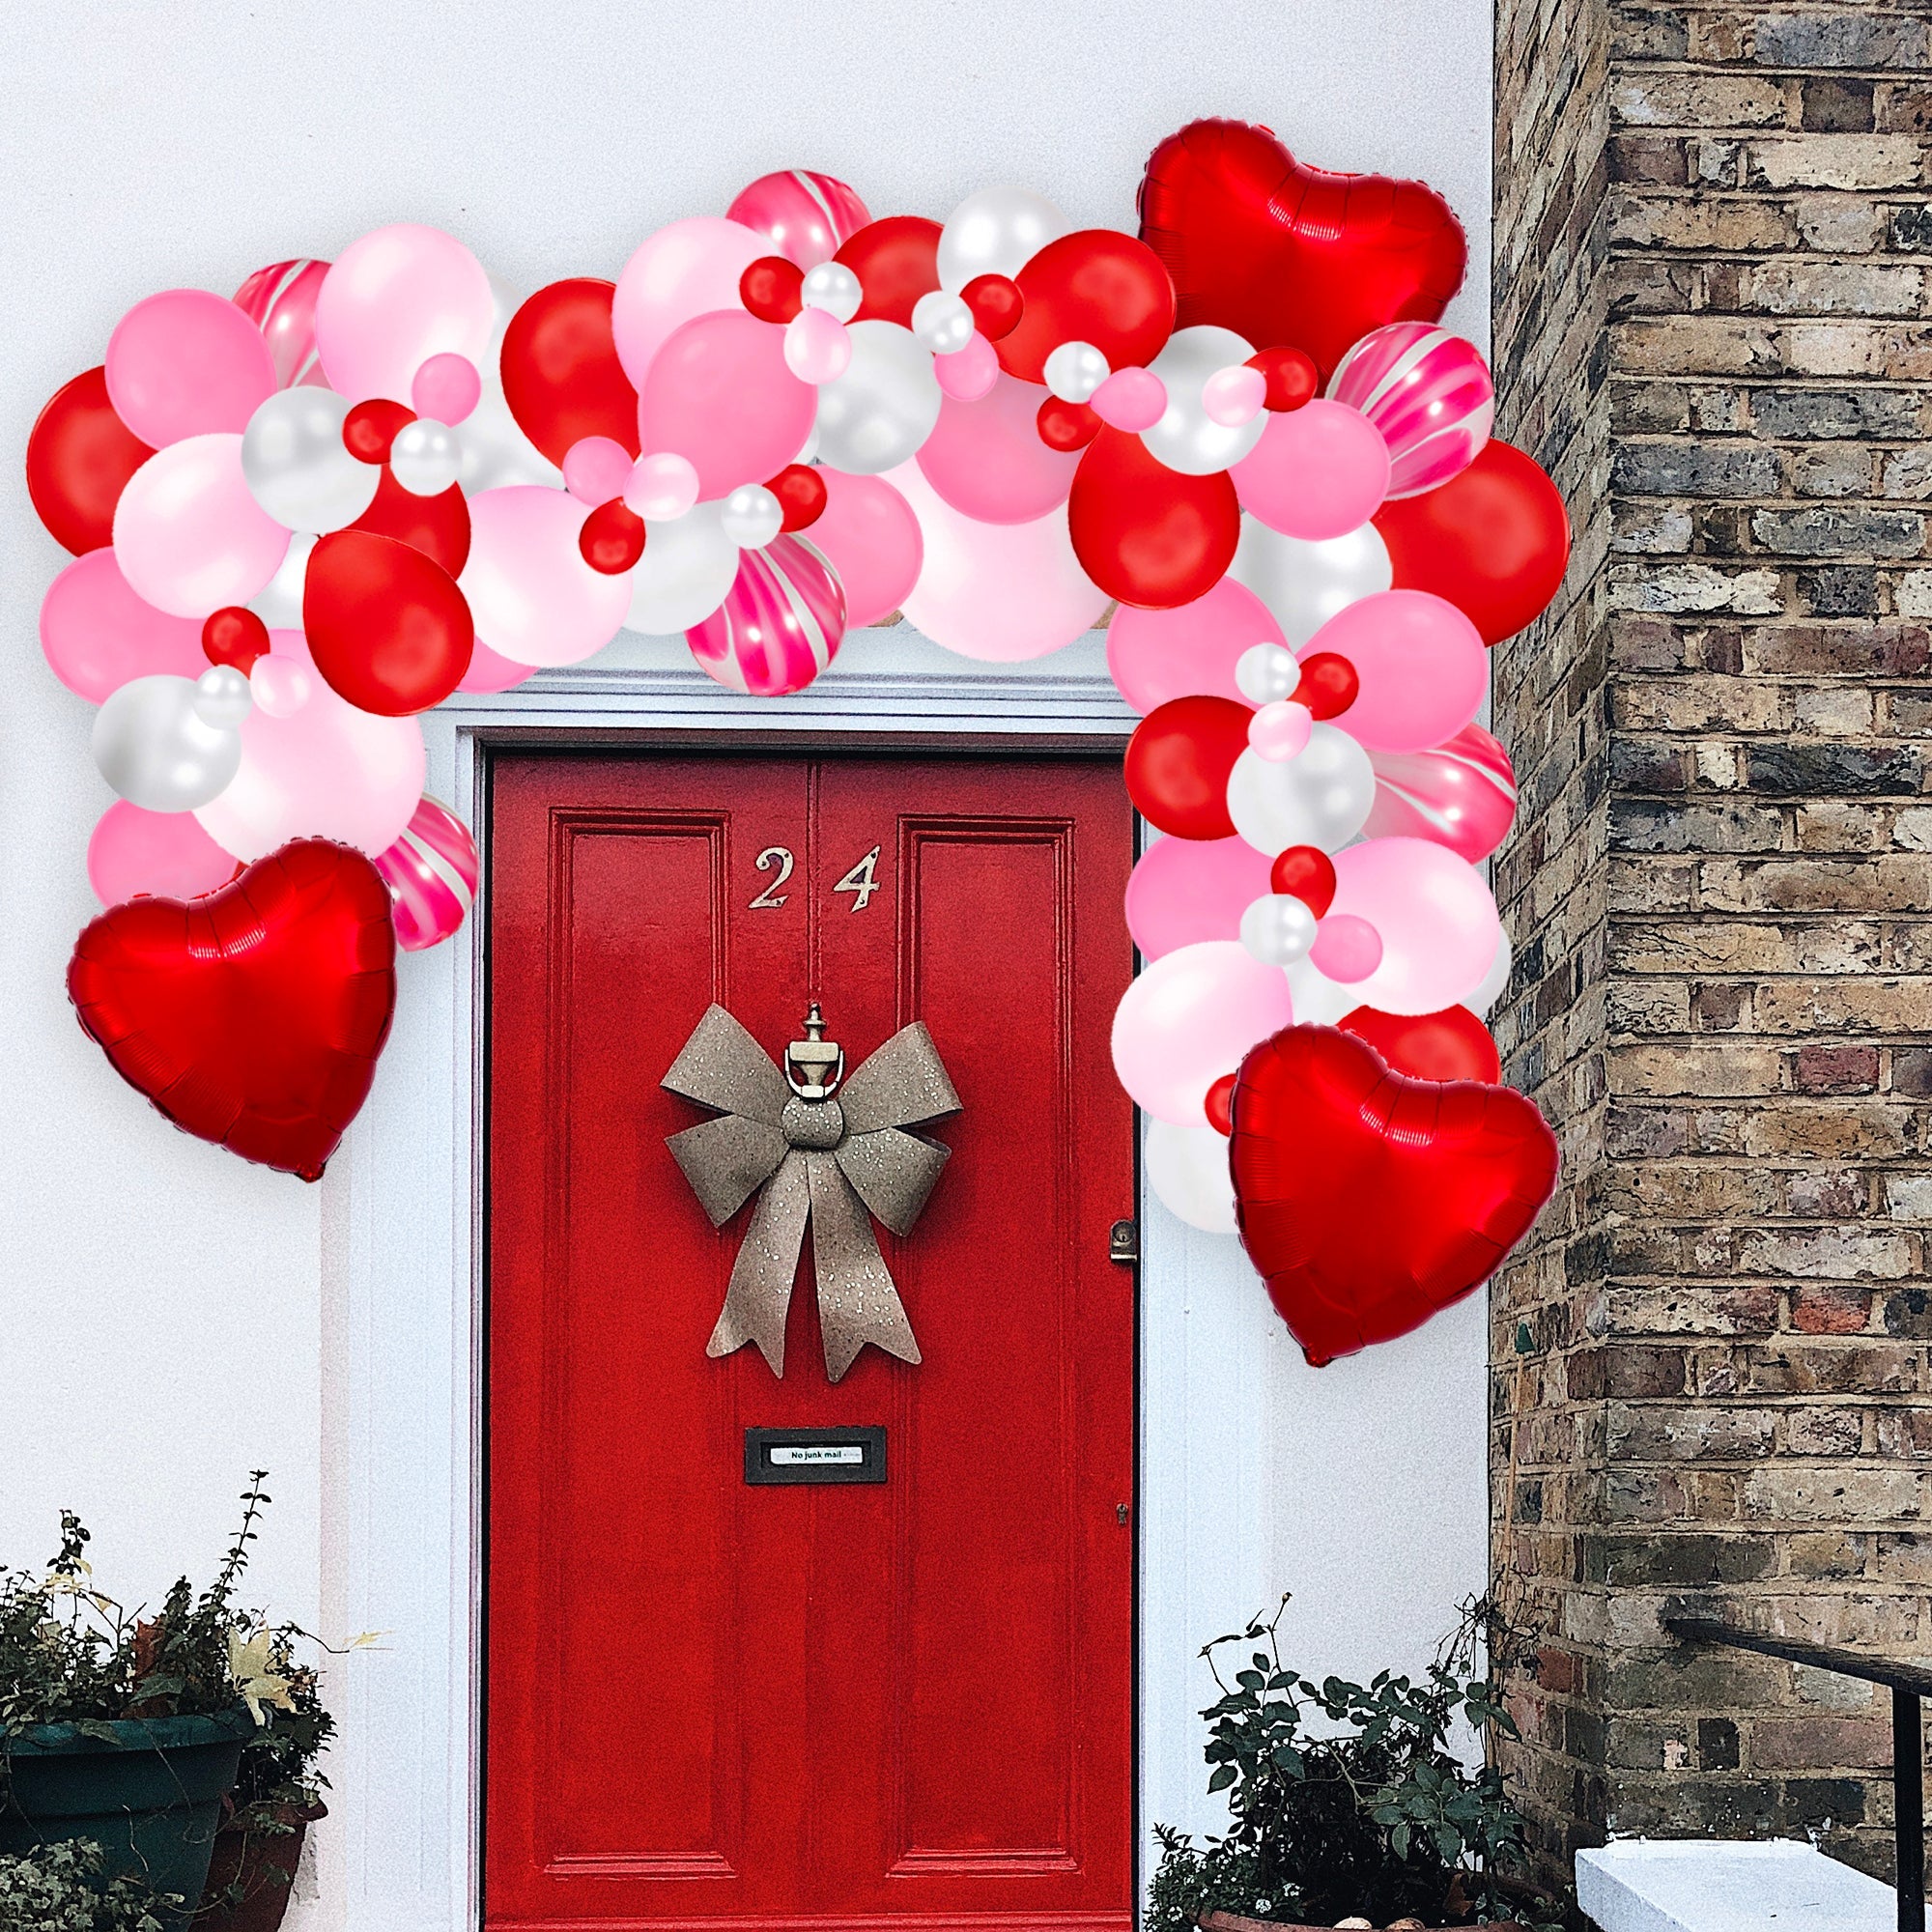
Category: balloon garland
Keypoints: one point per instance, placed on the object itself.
(303, 516)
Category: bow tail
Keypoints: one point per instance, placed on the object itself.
(760, 1297)
(857, 1302)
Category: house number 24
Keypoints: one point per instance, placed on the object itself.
(862, 881)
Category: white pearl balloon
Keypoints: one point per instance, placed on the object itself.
(1267, 674)
(1076, 370)
(752, 516)
(996, 232)
(426, 457)
(296, 466)
(1318, 1001)
(877, 414)
(1187, 1169)
(833, 286)
(1277, 928)
(279, 601)
(687, 570)
(1186, 438)
(158, 752)
(942, 322)
(1495, 980)
(1303, 583)
(1320, 798)
(222, 697)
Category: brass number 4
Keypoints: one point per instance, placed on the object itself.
(861, 880)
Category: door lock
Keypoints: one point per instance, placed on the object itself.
(1124, 1242)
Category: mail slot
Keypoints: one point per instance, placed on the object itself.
(815, 1455)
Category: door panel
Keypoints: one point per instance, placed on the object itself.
(712, 1704)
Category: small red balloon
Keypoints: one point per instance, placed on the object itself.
(802, 495)
(79, 457)
(613, 538)
(1219, 1105)
(234, 637)
(1178, 762)
(1292, 378)
(1145, 533)
(770, 288)
(437, 526)
(897, 261)
(996, 303)
(1067, 426)
(1330, 684)
(561, 377)
(1092, 286)
(371, 428)
(387, 627)
(1307, 873)
(1453, 1045)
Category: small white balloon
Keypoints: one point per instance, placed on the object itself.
(833, 286)
(1266, 673)
(1304, 583)
(296, 466)
(877, 414)
(279, 601)
(996, 232)
(752, 516)
(1187, 1169)
(1278, 929)
(426, 457)
(156, 749)
(222, 697)
(1493, 980)
(942, 322)
(1076, 370)
(1320, 798)
(1186, 438)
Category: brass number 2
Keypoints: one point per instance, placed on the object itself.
(771, 898)
(861, 880)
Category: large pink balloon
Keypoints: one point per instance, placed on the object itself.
(189, 535)
(1189, 1020)
(96, 634)
(490, 672)
(1319, 471)
(163, 853)
(999, 592)
(325, 771)
(986, 460)
(721, 394)
(186, 362)
(869, 534)
(1422, 664)
(1461, 794)
(534, 599)
(1437, 921)
(1187, 890)
(686, 270)
(1189, 650)
(393, 300)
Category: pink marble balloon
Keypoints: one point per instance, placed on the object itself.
(1190, 650)
(1461, 794)
(807, 217)
(1422, 664)
(1185, 891)
(97, 634)
(280, 302)
(780, 625)
(986, 460)
(1433, 911)
(431, 873)
(1430, 394)
(163, 853)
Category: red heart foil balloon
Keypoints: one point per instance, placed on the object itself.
(1368, 1201)
(251, 1017)
(1285, 254)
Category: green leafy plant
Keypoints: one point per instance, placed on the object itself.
(58, 1887)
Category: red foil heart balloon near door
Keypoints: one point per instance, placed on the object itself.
(1368, 1201)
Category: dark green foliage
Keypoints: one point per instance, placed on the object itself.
(59, 1889)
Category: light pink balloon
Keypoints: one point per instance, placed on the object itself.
(1281, 731)
(720, 395)
(1185, 891)
(532, 595)
(1233, 397)
(969, 373)
(1319, 471)
(871, 537)
(490, 672)
(816, 348)
(394, 299)
(1346, 948)
(326, 771)
(686, 270)
(1461, 794)
(999, 593)
(1131, 398)
(1191, 1018)
(986, 461)
(185, 363)
(163, 853)
(1423, 666)
(1437, 921)
(804, 216)
(96, 634)
(660, 488)
(596, 468)
(1190, 650)
(189, 535)
(280, 686)
(446, 388)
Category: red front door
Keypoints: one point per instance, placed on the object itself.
(718, 1704)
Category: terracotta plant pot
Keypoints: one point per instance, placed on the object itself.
(253, 1872)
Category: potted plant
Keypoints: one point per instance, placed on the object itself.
(62, 1888)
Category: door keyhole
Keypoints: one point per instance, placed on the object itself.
(1120, 1513)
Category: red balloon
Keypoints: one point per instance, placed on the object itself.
(1178, 762)
(802, 495)
(387, 627)
(1453, 1045)
(1367, 1199)
(234, 636)
(897, 261)
(770, 288)
(1494, 541)
(1330, 684)
(996, 303)
(79, 457)
(372, 426)
(561, 376)
(1066, 426)
(1219, 1105)
(1287, 254)
(437, 526)
(1292, 378)
(1307, 873)
(1091, 286)
(613, 538)
(1145, 533)
(253, 1017)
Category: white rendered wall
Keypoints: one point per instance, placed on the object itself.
(165, 1309)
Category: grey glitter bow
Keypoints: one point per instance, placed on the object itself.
(818, 1157)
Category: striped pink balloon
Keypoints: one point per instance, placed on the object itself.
(1461, 794)
(431, 873)
(280, 302)
(807, 216)
(779, 624)
(1430, 394)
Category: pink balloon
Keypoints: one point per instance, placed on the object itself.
(720, 395)
(187, 363)
(1131, 398)
(1437, 921)
(394, 299)
(1187, 890)
(96, 634)
(778, 626)
(446, 388)
(1189, 1019)
(1422, 663)
(489, 671)
(1281, 731)
(532, 595)
(1233, 397)
(969, 373)
(999, 593)
(1319, 471)
(1461, 794)
(189, 535)
(280, 302)
(1427, 392)
(596, 468)
(816, 348)
(805, 217)
(871, 537)
(660, 489)
(986, 461)
(280, 684)
(163, 853)
(431, 873)
(686, 270)
(1190, 650)
(1346, 949)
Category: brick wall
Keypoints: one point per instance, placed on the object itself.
(1710, 1367)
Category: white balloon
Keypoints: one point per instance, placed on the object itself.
(1322, 798)
(752, 516)
(156, 749)
(942, 322)
(1278, 928)
(1318, 1001)
(298, 469)
(279, 601)
(1267, 674)
(687, 570)
(1186, 438)
(833, 286)
(996, 232)
(1074, 371)
(1305, 583)
(426, 457)
(877, 414)
(222, 697)
(1495, 980)
(1187, 1169)
(496, 453)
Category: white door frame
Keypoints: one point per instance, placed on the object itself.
(402, 1334)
